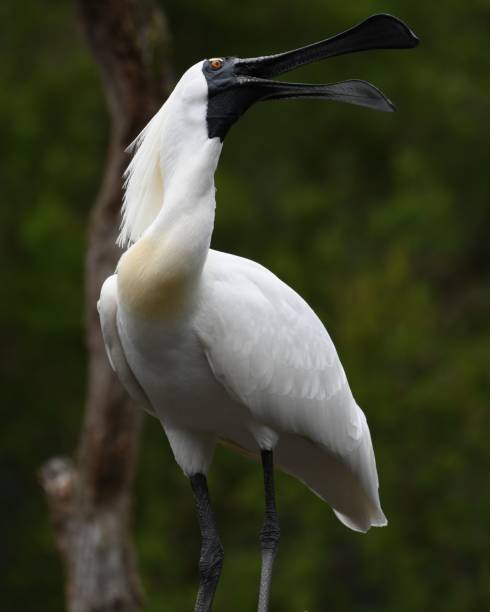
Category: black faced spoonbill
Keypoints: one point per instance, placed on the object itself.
(216, 346)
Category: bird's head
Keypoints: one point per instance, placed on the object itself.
(234, 84)
(213, 94)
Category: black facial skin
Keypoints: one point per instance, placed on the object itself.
(234, 84)
(228, 99)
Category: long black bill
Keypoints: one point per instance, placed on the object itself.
(377, 32)
(235, 84)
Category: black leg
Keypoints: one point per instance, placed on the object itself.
(270, 532)
(211, 559)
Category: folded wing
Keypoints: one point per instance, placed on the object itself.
(272, 353)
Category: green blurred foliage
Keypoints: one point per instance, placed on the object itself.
(380, 221)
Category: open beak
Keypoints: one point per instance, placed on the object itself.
(377, 32)
(234, 84)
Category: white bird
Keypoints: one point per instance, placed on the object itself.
(216, 346)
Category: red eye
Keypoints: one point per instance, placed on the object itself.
(216, 63)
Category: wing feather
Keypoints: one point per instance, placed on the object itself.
(107, 307)
(270, 350)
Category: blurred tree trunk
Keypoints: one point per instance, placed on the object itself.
(90, 499)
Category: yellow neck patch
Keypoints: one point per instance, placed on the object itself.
(148, 287)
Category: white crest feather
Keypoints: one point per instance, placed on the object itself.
(143, 182)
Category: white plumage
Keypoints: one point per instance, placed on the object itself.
(216, 346)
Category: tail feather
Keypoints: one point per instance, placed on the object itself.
(349, 485)
(354, 502)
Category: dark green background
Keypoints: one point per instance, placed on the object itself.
(380, 221)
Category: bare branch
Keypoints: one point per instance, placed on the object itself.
(90, 501)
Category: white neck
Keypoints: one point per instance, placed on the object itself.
(186, 218)
(159, 275)
(169, 205)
